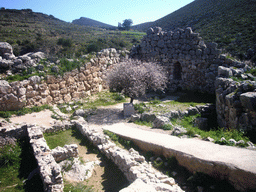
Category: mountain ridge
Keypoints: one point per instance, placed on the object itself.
(91, 22)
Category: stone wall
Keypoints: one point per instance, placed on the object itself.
(133, 165)
(191, 63)
(51, 89)
(236, 99)
(50, 171)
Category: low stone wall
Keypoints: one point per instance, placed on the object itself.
(50, 171)
(73, 85)
(190, 63)
(134, 166)
(235, 100)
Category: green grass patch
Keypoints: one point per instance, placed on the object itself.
(16, 162)
(120, 141)
(144, 123)
(25, 110)
(104, 99)
(237, 79)
(140, 107)
(18, 77)
(60, 138)
(77, 188)
(9, 168)
(91, 103)
(167, 127)
(67, 137)
(216, 134)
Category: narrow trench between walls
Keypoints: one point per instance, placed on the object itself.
(29, 167)
(187, 180)
(106, 176)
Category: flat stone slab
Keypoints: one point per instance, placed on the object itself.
(238, 165)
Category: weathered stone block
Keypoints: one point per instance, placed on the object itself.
(53, 86)
(224, 72)
(67, 98)
(248, 100)
(128, 109)
(149, 117)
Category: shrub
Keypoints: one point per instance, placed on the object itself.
(133, 78)
(64, 42)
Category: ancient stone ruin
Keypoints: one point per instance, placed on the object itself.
(195, 65)
(191, 63)
(73, 85)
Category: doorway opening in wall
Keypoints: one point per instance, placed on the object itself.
(177, 71)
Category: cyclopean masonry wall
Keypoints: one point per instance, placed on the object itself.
(191, 63)
(51, 90)
(236, 100)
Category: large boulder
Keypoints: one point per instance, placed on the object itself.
(5, 64)
(5, 87)
(5, 48)
(160, 121)
(224, 72)
(62, 153)
(37, 55)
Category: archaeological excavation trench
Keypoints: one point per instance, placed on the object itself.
(117, 168)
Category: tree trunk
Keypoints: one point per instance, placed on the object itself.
(131, 100)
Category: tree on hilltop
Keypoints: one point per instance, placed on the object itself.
(133, 78)
(126, 25)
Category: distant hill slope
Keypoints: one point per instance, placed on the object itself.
(29, 31)
(90, 22)
(230, 23)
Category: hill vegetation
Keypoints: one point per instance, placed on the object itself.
(29, 31)
(230, 23)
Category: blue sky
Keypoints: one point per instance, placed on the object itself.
(106, 11)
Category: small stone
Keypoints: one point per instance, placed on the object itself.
(135, 117)
(209, 139)
(55, 69)
(179, 131)
(197, 136)
(68, 109)
(222, 139)
(240, 142)
(158, 159)
(250, 144)
(232, 141)
(79, 112)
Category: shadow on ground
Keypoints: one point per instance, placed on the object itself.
(106, 116)
(28, 164)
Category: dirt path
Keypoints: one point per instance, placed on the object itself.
(42, 118)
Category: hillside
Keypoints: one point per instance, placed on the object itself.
(29, 31)
(93, 23)
(230, 23)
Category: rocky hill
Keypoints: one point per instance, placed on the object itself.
(230, 23)
(29, 31)
(93, 23)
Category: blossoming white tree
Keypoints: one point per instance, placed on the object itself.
(133, 78)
